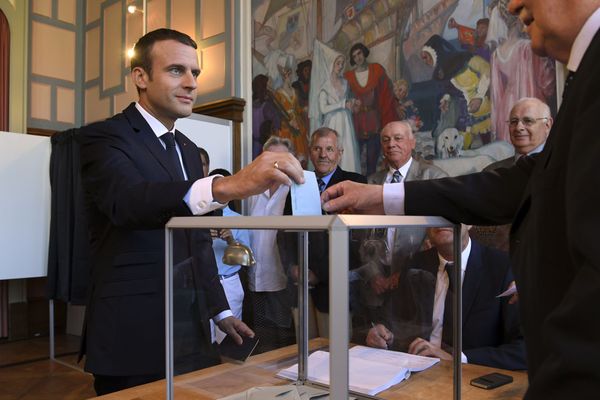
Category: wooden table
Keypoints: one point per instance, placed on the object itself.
(226, 379)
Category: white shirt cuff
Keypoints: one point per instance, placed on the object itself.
(463, 358)
(393, 198)
(222, 315)
(200, 199)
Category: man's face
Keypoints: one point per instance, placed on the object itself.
(441, 237)
(531, 130)
(397, 144)
(551, 24)
(325, 155)
(358, 57)
(170, 92)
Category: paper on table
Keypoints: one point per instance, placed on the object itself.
(510, 291)
(305, 197)
(364, 376)
(411, 362)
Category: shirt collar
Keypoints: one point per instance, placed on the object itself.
(534, 151)
(583, 40)
(464, 258)
(157, 127)
(327, 177)
(403, 169)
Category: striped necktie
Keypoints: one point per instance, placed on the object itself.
(321, 184)
(396, 177)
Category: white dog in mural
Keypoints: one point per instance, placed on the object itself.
(449, 143)
(498, 150)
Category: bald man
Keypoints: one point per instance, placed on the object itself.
(529, 124)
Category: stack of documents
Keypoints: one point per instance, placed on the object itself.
(370, 370)
(286, 392)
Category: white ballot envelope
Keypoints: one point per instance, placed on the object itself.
(306, 199)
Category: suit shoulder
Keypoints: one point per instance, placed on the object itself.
(377, 178)
(353, 176)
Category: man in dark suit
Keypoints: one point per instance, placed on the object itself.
(325, 155)
(135, 178)
(417, 316)
(552, 201)
(529, 124)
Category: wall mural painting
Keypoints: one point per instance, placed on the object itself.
(452, 68)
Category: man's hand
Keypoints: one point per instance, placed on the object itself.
(268, 169)
(393, 280)
(353, 198)
(422, 347)
(235, 328)
(379, 336)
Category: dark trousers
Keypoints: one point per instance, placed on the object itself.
(105, 384)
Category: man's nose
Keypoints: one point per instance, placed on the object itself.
(190, 81)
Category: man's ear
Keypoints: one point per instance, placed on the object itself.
(140, 77)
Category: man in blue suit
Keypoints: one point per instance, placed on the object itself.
(137, 173)
(417, 317)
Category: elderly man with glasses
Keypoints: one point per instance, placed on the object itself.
(529, 124)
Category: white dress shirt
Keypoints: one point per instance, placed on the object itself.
(268, 274)
(391, 232)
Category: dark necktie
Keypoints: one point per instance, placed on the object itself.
(396, 177)
(169, 140)
(447, 325)
(568, 80)
(321, 184)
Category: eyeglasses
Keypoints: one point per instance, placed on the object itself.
(527, 121)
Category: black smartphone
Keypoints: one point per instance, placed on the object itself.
(492, 380)
(237, 352)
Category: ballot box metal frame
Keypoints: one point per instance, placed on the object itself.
(338, 227)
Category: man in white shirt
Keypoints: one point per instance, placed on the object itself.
(138, 172)
(552, 201)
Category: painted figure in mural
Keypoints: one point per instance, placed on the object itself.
(470, 76)
(265, 120)
(302, 87)
(515, 71)
(292, 123)
(405, 107)
(374, 103)
(473, 40)
(329, 103)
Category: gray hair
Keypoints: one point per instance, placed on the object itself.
(324, 131)
(277, 140)
(403, 122)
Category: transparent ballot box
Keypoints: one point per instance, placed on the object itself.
(340, 305)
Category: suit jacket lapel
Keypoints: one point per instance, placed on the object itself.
(152, 143)
(337, 177)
